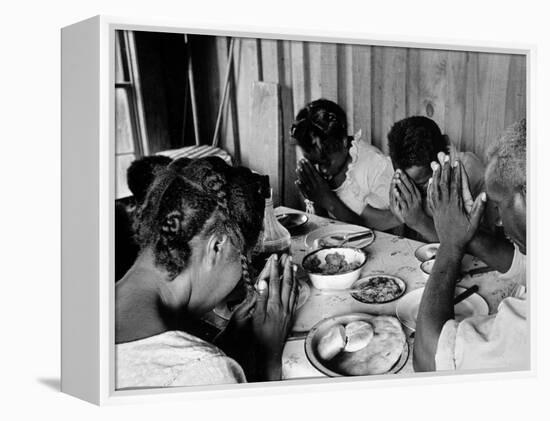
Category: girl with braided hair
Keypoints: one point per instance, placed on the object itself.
(199, 221)
(344, 176)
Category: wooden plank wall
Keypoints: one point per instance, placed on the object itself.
(472, 96)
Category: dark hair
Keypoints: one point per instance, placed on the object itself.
(509, 154)
(322, 119)
(416, 141)
(142, 172)
(199, 197)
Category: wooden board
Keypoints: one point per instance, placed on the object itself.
(389, 91)
(361, 90)
(313, 71)
(246, 73)
(432, 88)
(121, 166)
(228, 136)
(472, 96)
(516, 100)
(455, 103)
(264, 151)
(329, 72)
(123, 120)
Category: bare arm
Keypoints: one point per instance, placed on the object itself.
(436, 306)
(315, 188)
(425, 227)
(456, 228)
(380, 219)
(495, 252)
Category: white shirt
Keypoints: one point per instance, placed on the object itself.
(368, 178)
(500, 340)
(173, 358)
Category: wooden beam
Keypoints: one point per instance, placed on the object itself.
(264, 151)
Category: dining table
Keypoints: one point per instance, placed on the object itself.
(388, 254)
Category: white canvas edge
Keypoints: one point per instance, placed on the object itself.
(107, 393)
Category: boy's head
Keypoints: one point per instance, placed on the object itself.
(142, 172)
(321, 130)
(506, 181)
(414, 143)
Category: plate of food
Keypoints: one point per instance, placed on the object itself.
(378, 289)
(335, 267)
(333, 235)
(407, 307)
(357, 344)
(292, 221)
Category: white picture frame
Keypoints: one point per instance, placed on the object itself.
(88, 183)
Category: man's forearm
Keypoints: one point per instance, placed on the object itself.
(425, 227)
(378, 219)
(496, 253)
(436, 306)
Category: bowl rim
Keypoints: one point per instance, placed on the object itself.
(307, 256)
(424, 263)
(425, 246)
(288, 214)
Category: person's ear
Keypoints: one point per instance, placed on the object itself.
(216, 248)
(520, 204)
(346, 142)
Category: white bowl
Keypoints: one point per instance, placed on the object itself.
(427, 266)
(426, 252)
(341, 280)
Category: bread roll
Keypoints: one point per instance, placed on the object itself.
(358, 335)
(332, 342)
(381, 354)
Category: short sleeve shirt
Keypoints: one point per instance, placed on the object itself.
(500, 340)
(173, 358)
(368, 178)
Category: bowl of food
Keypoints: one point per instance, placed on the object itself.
(378, 289)
(334, 267)
(357, 344)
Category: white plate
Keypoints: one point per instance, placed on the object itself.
(312, 239)
(312, 342)
(407, 307)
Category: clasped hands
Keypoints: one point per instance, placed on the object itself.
(269, 306)
(456, 215)
(312, 185)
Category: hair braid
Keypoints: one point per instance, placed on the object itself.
(199, 197)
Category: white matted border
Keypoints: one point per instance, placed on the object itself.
(106, 180)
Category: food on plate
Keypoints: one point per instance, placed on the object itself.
(379, 356)
(332, 342)
(335, 263)
(378, 289)
(358, 335)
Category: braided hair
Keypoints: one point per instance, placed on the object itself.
(199, 197)
(321, 121)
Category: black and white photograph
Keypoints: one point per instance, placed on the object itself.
(291, 209)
